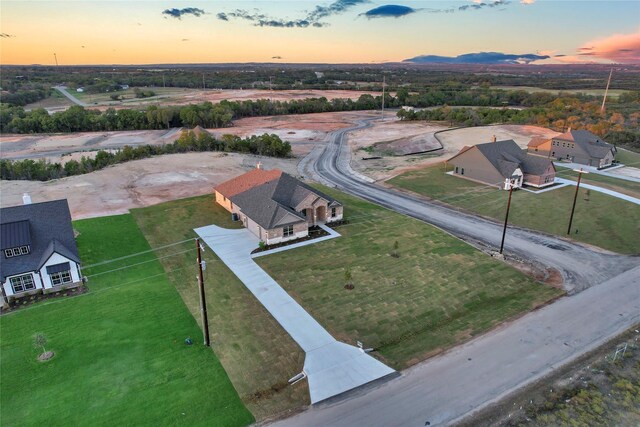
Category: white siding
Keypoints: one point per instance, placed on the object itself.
(54, 259)
(8, 289)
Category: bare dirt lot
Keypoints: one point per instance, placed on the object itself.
(146, 182)
(302, 131)
(396, 137)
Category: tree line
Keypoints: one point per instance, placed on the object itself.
(189, 141)
(14, 119)
(616, 126)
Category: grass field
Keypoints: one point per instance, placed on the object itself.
(613, 93)
(601, 220)
(436, 294)
(255, 351)
(128, 96)
(120, 357)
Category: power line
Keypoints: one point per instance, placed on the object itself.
(137, 253)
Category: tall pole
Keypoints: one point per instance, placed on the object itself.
(203, 86)
(203, 300)
(384, 80)
(575, 197)
(506, 217)
(606, 91)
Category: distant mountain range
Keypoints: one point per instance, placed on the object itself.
(478, 58)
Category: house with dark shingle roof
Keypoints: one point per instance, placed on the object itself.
(577, 146)
(502, 164)
(275, 206)
(39, 253)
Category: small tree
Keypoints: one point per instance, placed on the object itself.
(40, 341)
(587, 193)
(348, 279)
(395, 253)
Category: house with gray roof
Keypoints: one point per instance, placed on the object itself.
(577, 146)
(275, 206)
(38, 249)
(502, 164)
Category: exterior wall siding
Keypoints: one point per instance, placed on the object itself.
(224, 202)
(477, 168)
(53, 260)
(275, 235)
(8, 289)
(339, 214)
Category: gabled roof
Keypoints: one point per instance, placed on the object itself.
(506, 157)
(50, 231)
(273, 203)
(247, 181)
(537, 141)
(591, 144)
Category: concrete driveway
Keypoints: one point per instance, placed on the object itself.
(332, 367)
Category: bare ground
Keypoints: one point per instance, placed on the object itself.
(146, 182)
(402, 137)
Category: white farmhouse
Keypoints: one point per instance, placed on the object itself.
(38, 249)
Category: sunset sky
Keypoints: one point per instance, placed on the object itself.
(334, 31)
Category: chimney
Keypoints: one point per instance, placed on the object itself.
(494, 138)
(259, 165)
(26, 199)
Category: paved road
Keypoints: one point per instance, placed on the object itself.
(63, 90)
(443, 389)
(332, 367)
(581, 266)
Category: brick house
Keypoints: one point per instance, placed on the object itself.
(275, 206)
(39, 253)
(502, 164)
(577, 146)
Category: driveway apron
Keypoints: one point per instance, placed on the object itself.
(332, 367)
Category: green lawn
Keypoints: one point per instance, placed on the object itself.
(613, 93)
(255, 351)
(439, 291)
(602, 220)
(120, 353)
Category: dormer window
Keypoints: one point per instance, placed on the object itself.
(17, 251)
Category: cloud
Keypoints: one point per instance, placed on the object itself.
(479, 58)
(312, 19)
(276, 57)
(185, 40)
(527, 2)
(389, 11)
(621, 48)
(6, 36)
(481, 5)
(179, 13)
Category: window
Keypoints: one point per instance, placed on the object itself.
(456, 169)
(20, 250)
(287, 231)
(546, 179)
(60, 278)
(22, 283)
(333, 212)
(462, 171)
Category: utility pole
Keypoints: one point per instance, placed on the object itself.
(56, 58)
(203, 300)
(164, 86)
(606, 91)
(575, 197)
(203, 86)
(384, 80)
(506, 217)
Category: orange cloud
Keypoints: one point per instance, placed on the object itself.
(527, 1)
(622, 48)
